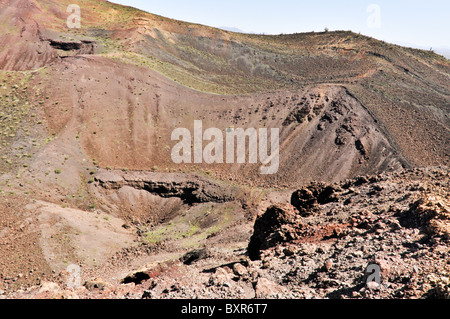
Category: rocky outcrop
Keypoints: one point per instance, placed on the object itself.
(337, 236)
(73, 47)
(277, 225)
(431, 215)
(308, 199)
(195, 255)
(191, 189)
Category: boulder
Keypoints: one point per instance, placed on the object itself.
(278, 224)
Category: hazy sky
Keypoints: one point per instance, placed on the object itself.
(419, 23)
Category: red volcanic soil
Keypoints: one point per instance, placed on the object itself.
(123, 117)
(87, 177)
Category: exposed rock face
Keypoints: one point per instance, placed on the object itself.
(191, 189)
(73, 47)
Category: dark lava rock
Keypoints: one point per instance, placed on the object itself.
(195, 255)
(277, 225)
(307, 199)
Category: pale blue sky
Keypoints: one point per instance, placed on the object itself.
(417, 23)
